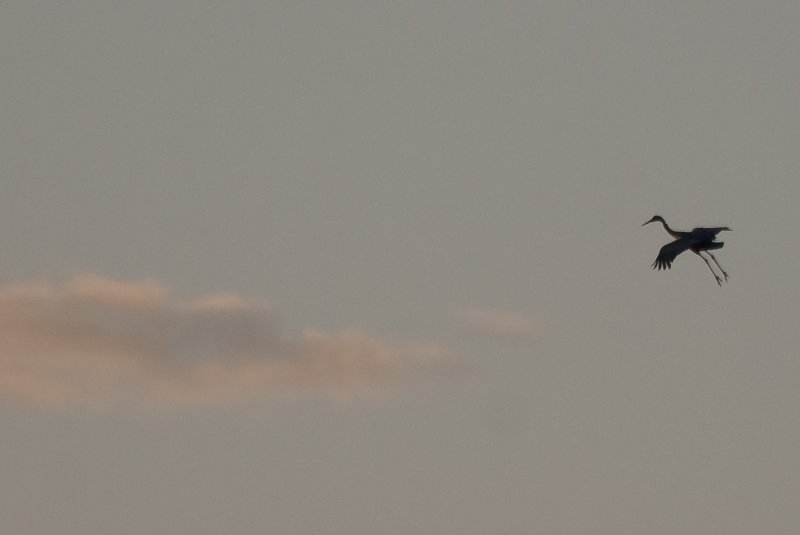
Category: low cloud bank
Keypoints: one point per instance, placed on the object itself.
(94, 341)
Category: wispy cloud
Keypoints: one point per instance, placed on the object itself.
(494, 323)
(93, 341)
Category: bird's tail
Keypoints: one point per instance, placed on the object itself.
(714, 245)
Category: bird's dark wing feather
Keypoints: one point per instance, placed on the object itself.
(668, 253)
(706, 233)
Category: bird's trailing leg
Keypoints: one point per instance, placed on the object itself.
(719, 281)
(714, 258)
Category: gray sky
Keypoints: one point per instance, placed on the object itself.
(343, 267)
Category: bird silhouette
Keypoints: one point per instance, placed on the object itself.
(700, 239)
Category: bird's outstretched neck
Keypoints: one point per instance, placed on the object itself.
(675, 234)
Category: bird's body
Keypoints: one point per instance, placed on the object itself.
(697, 240)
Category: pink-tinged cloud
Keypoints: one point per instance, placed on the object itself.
(97, 342)
(493, 323)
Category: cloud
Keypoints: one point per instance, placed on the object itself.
(94, 341)
(493, 323)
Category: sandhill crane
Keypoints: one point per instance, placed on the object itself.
(698, 240)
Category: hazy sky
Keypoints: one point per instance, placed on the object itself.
(377, 267)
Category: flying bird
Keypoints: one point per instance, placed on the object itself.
(700, 239)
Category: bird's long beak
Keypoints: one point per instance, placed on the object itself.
(646, 222)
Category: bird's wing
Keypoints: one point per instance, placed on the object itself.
(707, 233)
(668, 253)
